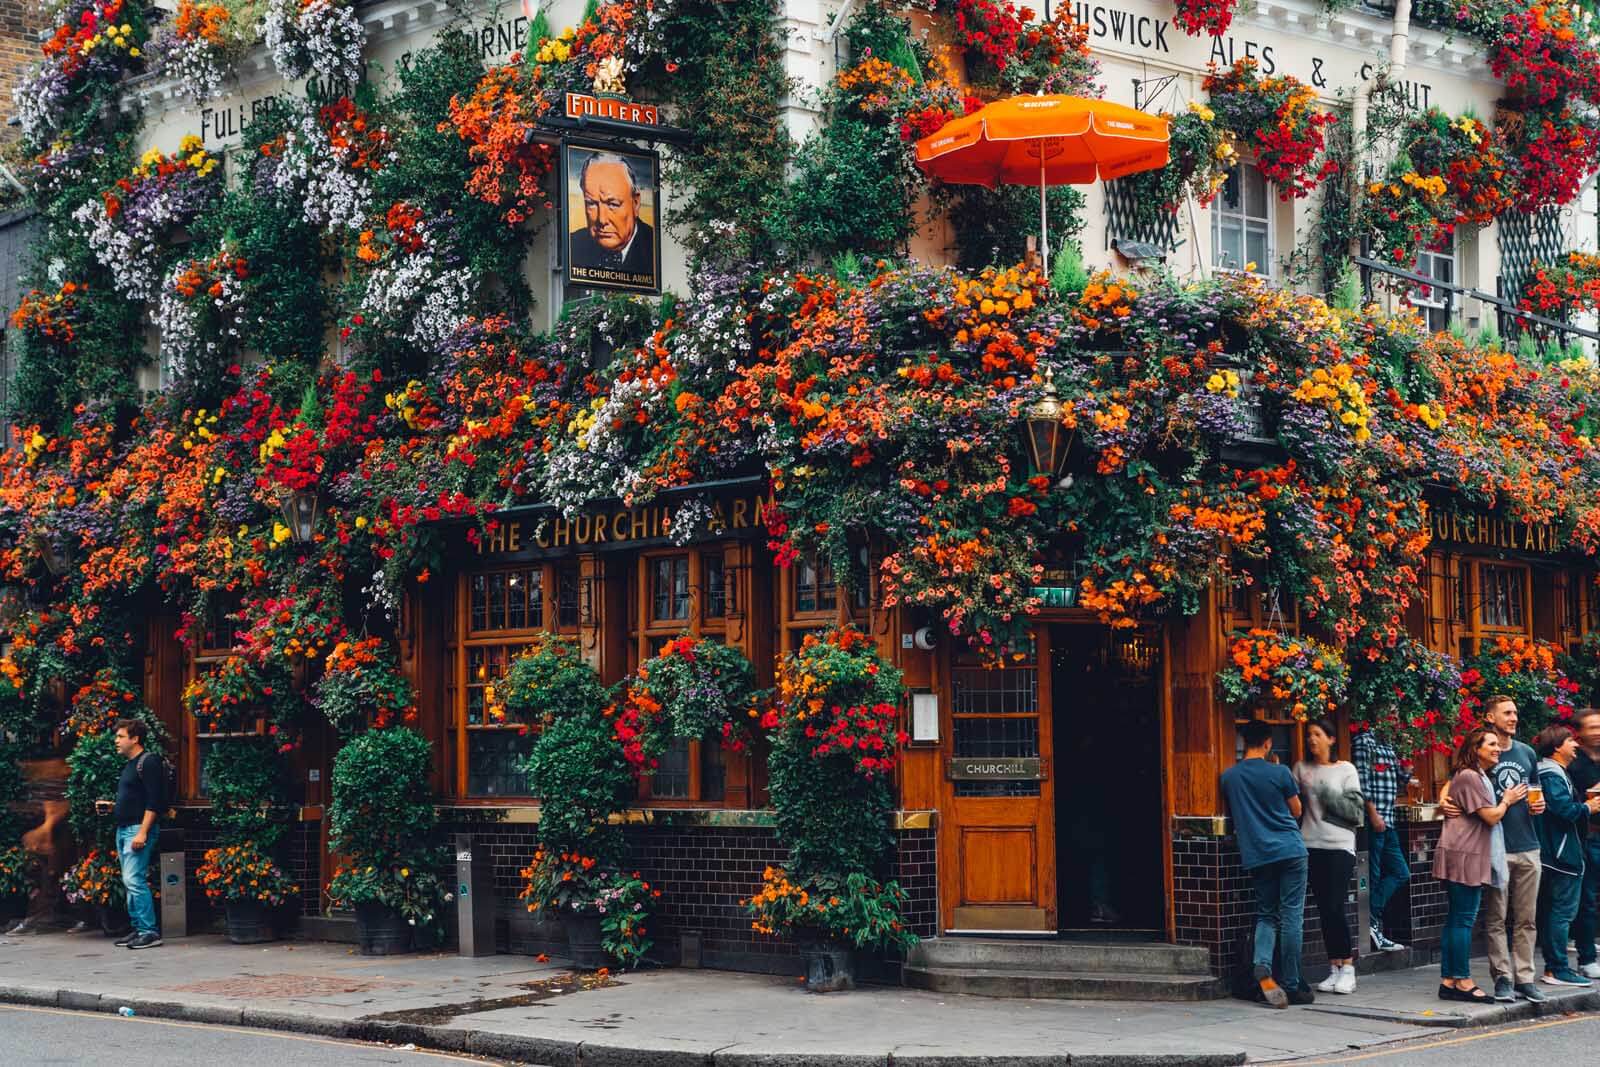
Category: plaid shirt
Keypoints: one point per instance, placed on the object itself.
(1379, 768)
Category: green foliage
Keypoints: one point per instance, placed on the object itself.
(16, 872)
(382, 806)
(244, 782)
(850, 192)
(432, 168)
(383, 819)
(856, 909)
(992, 226)
(833, 817)
(727, 91)
(1067, 271)
(549, 682)
(1347, 292)
(93, 768)
(577, 770)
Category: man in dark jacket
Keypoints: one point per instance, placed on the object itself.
(1561, 830)
(1584, 771)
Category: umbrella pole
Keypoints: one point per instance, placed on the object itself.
(1044, 237)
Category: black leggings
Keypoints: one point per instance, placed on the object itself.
(1330, 884)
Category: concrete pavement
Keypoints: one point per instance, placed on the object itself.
(517, 1008)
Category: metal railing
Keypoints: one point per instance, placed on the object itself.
(1510, 319)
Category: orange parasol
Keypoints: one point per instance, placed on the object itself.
(1051, 140)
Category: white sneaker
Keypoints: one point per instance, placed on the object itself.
(1330, 983)
(1346, 979)
(1590, 970)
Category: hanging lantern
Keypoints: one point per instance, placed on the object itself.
(1046, 436)
(300, 514)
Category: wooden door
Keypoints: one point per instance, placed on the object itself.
(997, 825)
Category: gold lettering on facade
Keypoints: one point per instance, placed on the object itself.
(580, 529)
(641, 524)
(599, 528)
(541, 536)
(563, 533)
(719, 518)
(739, 509)
(514, 536)
(618, 530)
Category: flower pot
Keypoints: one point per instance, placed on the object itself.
(249, 922)
(830, 966)
(113, 919)
(381, 930)
(583, 941)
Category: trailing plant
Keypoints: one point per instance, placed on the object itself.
(1201, 153)
(203, 40)
(694, 689)
(315, 37)
(1280, 672)
(362, 682)
(1277, 117)
(569, 883)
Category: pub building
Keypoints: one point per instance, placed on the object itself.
(1092, 763)
(1072, 794)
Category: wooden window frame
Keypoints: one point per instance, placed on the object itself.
(196, 660)
(462, 637)
(1466, 615)
(849, 606)
(645, 632)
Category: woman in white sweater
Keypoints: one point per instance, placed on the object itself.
(1333, 811)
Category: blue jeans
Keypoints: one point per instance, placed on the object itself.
(1280, 916)
(1558, 904)
(1587, 923)
(1455, 947)
(1388, 871)
(136, 876)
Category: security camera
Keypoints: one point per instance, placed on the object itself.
(925, 638)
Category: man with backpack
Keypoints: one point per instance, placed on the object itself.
(141, 797)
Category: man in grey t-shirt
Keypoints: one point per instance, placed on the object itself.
(1510, 915)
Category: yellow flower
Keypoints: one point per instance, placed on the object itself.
(361, 522)
(280, 533)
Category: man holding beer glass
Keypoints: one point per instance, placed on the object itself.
(1561, 832)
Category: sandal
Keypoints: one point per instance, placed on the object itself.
(1474, 995)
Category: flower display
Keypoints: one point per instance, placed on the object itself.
(856, 909)
(1408, 693)
(131, 221)
(575, 884)
(416, 283)
(321, 37)
(1563, 289)
(16, 874)
(693, 689)
(97, 706)
(1271, 670)
(1209, 17)
(92, 45)
(198, 311)
(201, 41)
(95, 880)
(325, 160)
(1527, 670)
(361, 679)
(495, 121)
(1278, 118)
(242, 873)
(229, 696)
